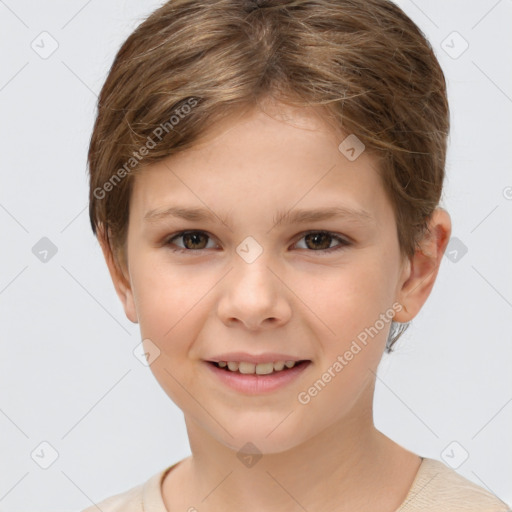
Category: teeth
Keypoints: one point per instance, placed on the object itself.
(278, 366)
(258, 369)
(246, 367)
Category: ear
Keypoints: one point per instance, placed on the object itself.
(421, 270)
(119, 274)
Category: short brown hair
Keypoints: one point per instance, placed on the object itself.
(191, 63)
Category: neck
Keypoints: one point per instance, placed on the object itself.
(348, 466)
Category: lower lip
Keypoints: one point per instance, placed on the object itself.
(257, 384)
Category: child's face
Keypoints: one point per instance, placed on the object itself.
(292, 299)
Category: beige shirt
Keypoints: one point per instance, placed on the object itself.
(436, 488)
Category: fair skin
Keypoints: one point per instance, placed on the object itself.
(323, 455)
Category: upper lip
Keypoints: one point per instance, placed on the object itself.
(267, 357)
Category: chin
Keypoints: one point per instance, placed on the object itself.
(255, 441)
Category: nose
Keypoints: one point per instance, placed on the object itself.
(254, 296)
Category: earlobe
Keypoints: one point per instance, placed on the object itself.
(424, 266)
(120, 277)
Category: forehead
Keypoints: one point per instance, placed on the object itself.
(262, 160)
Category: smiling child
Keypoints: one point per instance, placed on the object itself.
(265, 186)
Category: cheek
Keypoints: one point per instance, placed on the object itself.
(347, 299)
(167, 298)
(169, 306)
(351, 337)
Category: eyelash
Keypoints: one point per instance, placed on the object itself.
(343, 242)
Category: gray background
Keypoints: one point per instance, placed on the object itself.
(68, 375)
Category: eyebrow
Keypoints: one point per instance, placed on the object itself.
(283, 217)
(314, 215)
(192, 214)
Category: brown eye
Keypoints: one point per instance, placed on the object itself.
(320, 241)
(192, 241)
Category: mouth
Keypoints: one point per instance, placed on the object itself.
(257, 378)
(269, 368)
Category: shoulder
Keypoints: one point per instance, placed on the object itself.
(438, 488)
(128, 501)
(133, 499)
